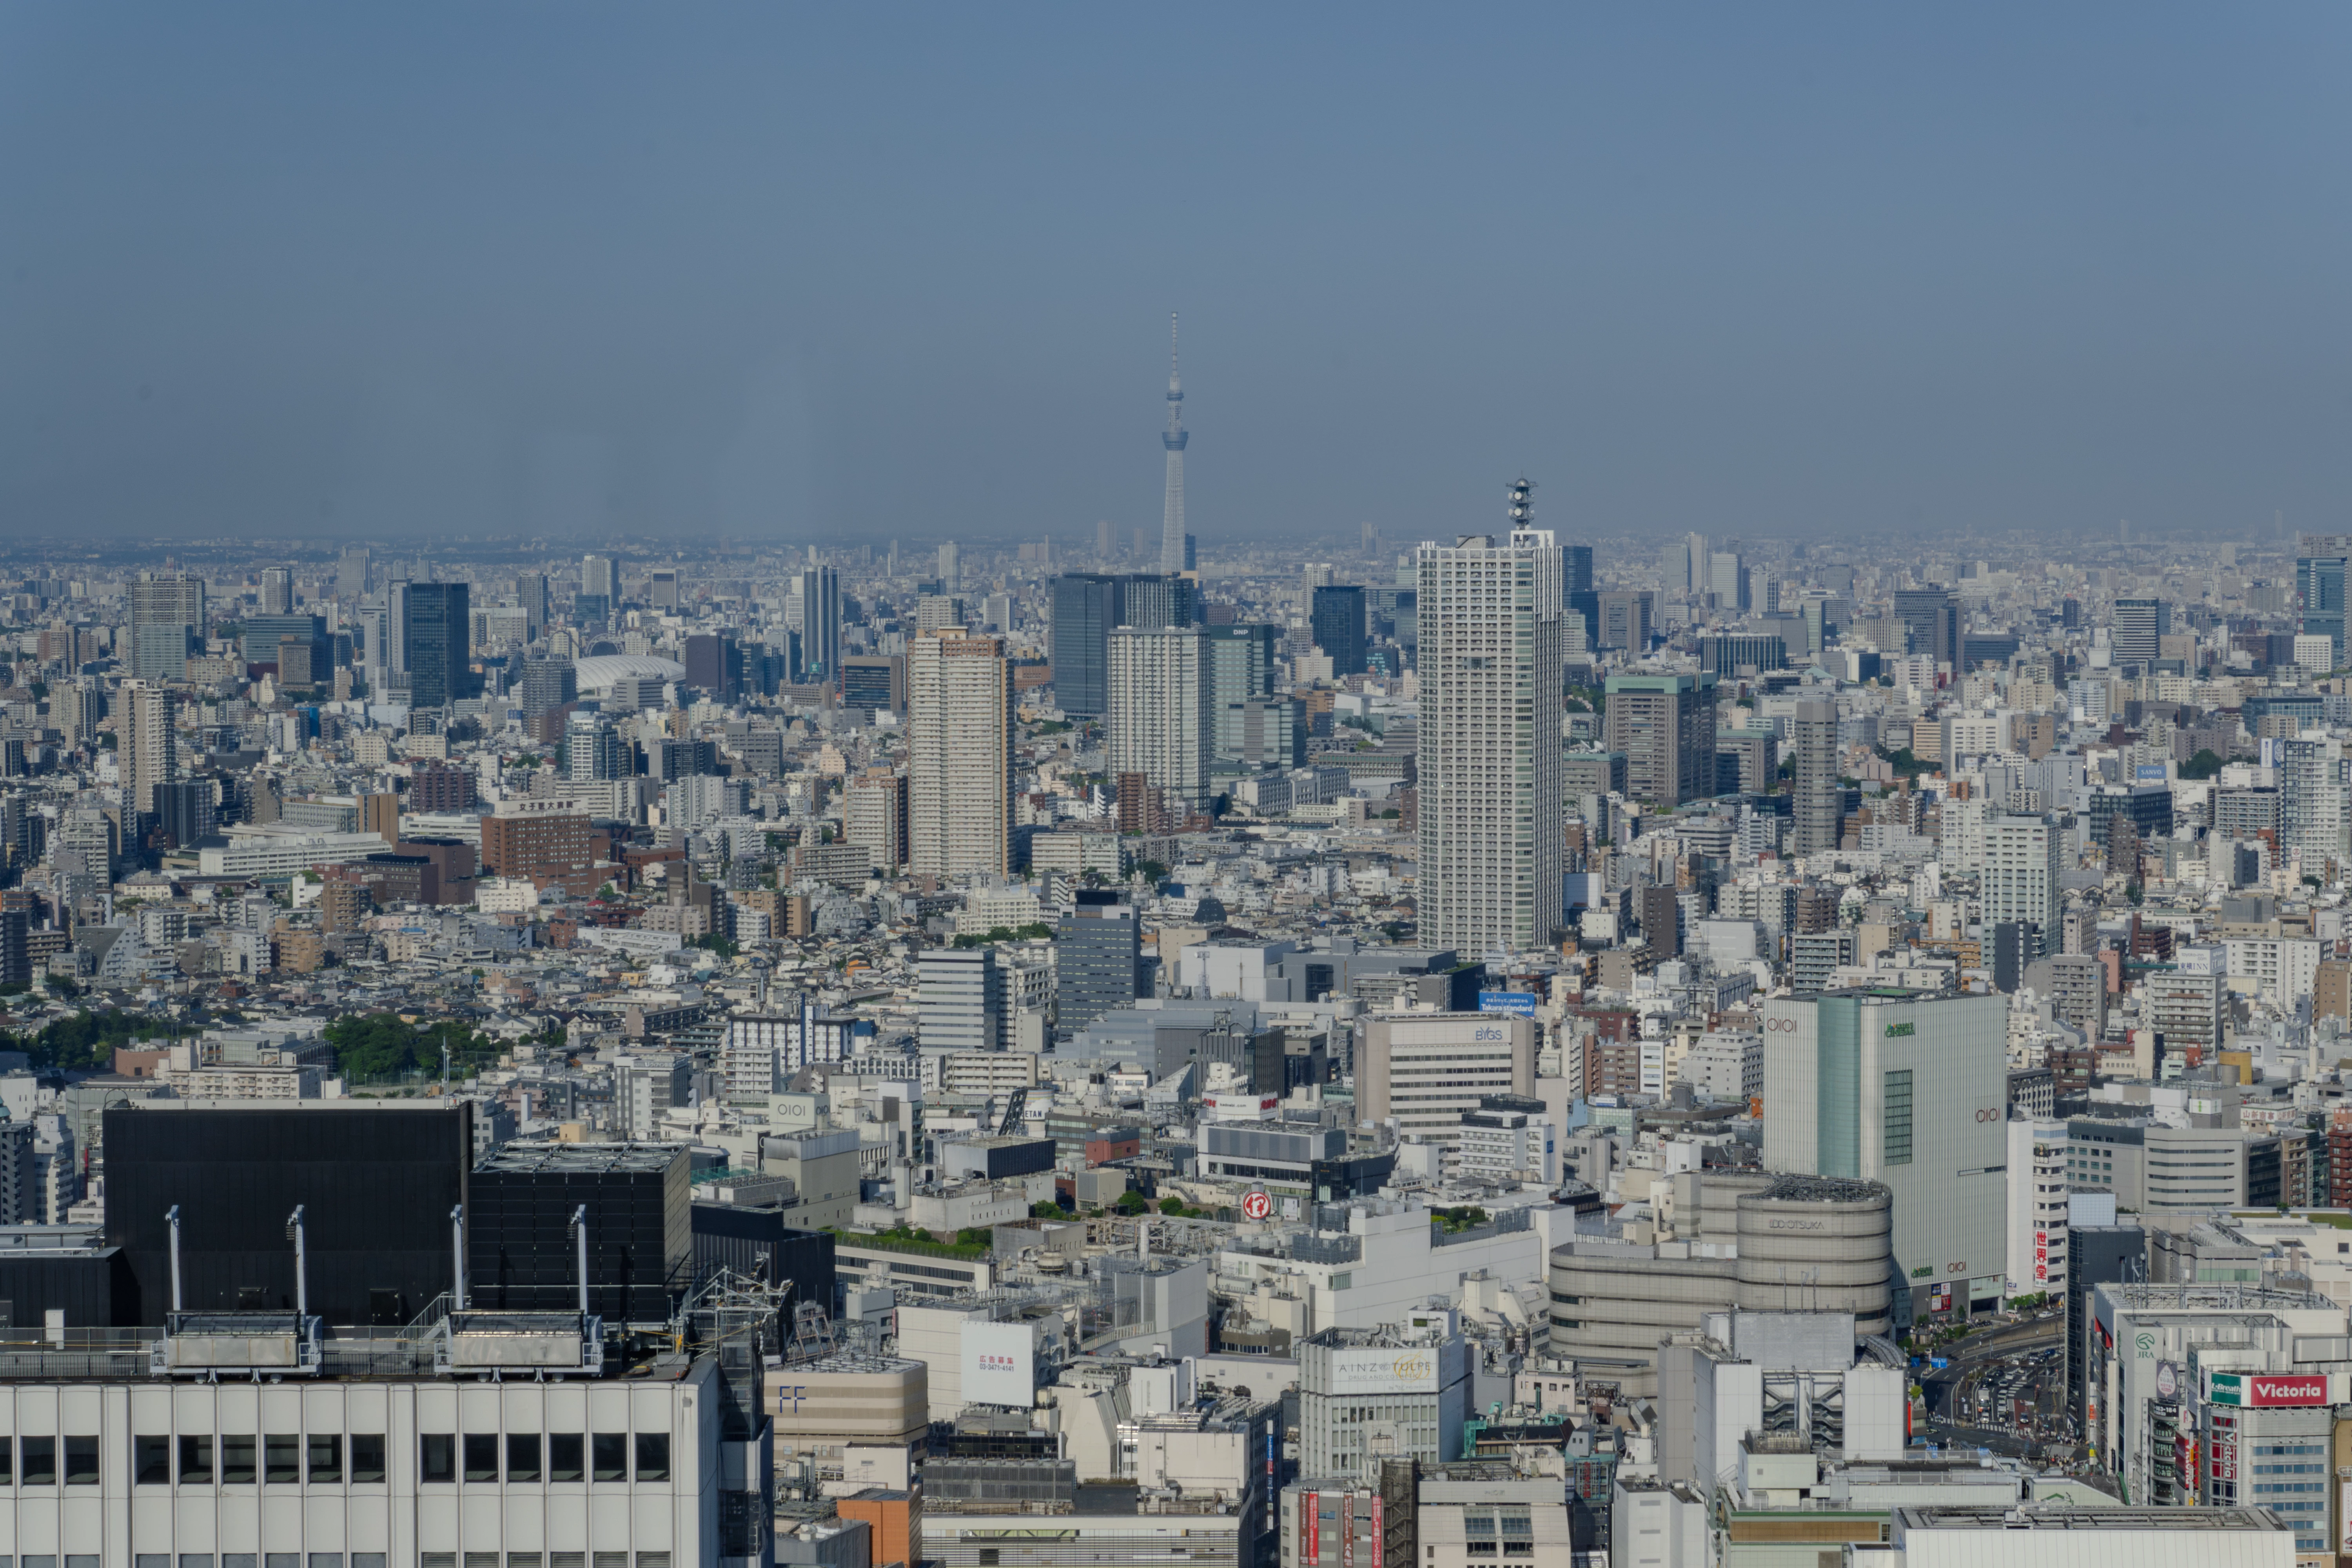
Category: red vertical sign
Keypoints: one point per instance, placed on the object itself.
(1308, 1512)
(1379, 1533)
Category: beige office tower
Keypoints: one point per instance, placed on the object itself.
(874, 815)
(959, 745)
(76, 711)
(149, 748)
(1493, 837)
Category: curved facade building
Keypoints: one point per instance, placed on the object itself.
(1819, 1244)
(1761, 1244)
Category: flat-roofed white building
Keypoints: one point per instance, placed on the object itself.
(1426, 1071)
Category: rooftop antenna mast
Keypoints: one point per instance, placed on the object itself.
(294, 1232)
(458, 1252)
(579, 1228)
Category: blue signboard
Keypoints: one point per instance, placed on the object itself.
(2149, 772)
(1523, 1003)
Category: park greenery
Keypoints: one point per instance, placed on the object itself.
(84, 1042)
(378, 1047)
(1033, 932)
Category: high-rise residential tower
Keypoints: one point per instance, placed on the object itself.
(151, 756)
(1160, 721)
(1157, 600)
(1492, 839)
(2021, 880)
(960, 754)
(1665, 726)
(599, 575)
(2141, 626)
(1172, 552)
(1815, 796)
(166, 610)
(530, 592)
(873, 814)
(277, 589)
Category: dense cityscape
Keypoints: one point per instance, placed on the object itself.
(911, 786)
(1501, 1044)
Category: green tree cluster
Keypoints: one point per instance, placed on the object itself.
(86, 1040)
(370, 1048)
(1032, 931)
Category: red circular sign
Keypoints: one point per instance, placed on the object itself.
(1256, 1204)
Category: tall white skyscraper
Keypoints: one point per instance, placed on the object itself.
(1492, 833)
(2315, 803)
(960, 754)
(950, 565)
(599, 575)
(1172, 520)
(2020, 875)
(1161, 722)
(1817, 798)
(277, 589)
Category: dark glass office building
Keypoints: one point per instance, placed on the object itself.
(1931, 618)
(714, 664)
(183, 810)
(1087, 606)
(1576, 591)
(1338, 619)
(438, 627)
(1098, 952)
(376, 1183)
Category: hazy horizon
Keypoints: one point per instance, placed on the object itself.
(783, 276)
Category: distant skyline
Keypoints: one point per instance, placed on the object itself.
(797, 275)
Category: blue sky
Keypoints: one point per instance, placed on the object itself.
(801, 273)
